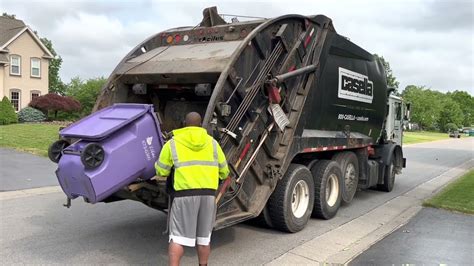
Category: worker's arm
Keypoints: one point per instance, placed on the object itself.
(223, 168)
(164, 163)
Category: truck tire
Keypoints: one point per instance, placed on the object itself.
(388, 177)
(327, 177)
(350, 174)
(262, 220)
(290, 205)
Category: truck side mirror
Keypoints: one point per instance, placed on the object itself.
(407, 112)
(390, 90)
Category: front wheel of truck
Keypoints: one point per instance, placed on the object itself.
(291, 203)
(388, 177)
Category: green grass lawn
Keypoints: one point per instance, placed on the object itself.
(33, 138)
(458, 196)
(422, 136)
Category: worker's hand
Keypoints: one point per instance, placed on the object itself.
(158, 178)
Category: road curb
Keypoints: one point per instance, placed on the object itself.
(15, 194)
(346, 242)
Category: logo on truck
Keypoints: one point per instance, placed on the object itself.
(355, 86)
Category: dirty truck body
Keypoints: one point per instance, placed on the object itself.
(300, 112)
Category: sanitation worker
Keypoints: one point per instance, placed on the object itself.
(198, 163)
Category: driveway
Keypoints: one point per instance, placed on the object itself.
(19, 170)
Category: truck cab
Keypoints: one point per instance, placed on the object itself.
(397, 111)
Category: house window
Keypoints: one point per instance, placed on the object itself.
(15, 65)
(36, 67)
(15, 99)
(35, 94)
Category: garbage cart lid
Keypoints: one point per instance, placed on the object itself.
(106, 121)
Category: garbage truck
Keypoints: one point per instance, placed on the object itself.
(303, 115)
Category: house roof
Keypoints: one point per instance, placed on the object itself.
(10, 29)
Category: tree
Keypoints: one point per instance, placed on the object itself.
(391, 80)
(52, 102)
(7, 113)
(449, 127)
(85, 92)
(55, 83)
(5, 14)
(450, 113)
(435, 110)
(466, 103)
(426, 105)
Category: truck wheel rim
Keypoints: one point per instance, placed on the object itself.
(392, 174)
(300, 199)
(349, 177)
(332, 190)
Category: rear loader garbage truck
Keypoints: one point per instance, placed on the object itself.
(303, 115)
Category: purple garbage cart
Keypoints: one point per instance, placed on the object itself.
(114, 147)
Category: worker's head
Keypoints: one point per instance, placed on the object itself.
(193, 119)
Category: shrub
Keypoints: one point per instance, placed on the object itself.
(30, 114)
(66, 116)
(53, 103)
(7, 112)
(450, 127)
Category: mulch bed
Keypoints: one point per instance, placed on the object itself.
(59, 123)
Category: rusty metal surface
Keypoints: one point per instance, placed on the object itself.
(193, 58)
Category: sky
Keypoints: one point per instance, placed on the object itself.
(427, 43)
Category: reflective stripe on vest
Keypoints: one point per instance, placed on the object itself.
(177, 164)
(163, 166)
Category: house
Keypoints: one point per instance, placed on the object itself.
(24, 62)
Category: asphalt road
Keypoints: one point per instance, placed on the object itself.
(39, 230)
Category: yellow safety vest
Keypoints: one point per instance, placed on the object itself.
(197, 158)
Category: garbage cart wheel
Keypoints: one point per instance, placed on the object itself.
(328, 193)
(93, 155)
(291, 203)
(350, 174)
(55, 150)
